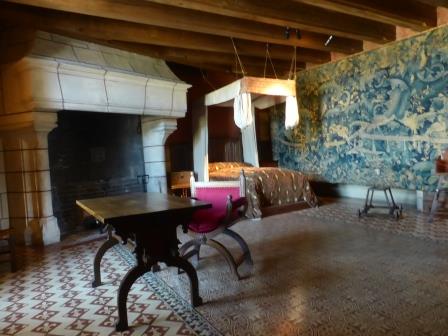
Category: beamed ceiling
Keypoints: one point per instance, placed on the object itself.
(200, 32)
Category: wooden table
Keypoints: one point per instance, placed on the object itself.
(150, 220)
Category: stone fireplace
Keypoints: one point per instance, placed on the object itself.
(62, 76)
(92, 155)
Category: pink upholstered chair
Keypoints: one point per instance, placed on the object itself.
(228, 207)
(442, 173)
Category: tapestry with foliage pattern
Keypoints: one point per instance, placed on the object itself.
(376, 117)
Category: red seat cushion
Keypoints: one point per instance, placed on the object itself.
(207, 220)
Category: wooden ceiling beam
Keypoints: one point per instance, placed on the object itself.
(436, 3)
(249, 70)
(190, 20)
(108, 29)
(188, 56)
(200, 59)
(15, 43)
(293, 14)
(405, 13)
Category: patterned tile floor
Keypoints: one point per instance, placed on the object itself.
(53, 296)
(317, 272)
(325, 272)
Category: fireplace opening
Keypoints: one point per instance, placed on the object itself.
(92, 155)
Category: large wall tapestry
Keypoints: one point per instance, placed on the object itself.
(376, 117)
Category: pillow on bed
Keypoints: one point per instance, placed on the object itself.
(215, 166)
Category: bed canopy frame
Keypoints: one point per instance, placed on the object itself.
(245, 95)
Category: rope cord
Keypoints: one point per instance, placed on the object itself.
(265, 60)
(295, 62)
(206, 79)
(22, 161)
(236, 67)
(293, 67)
(105, 90)
(60, 86)
(172, 98)
(272, 64)
(144, 98)
(238, 57)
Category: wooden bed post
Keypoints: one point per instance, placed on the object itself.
(192, 181)
(242, 184)
(200, 140)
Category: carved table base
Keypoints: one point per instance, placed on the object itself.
(150, 220)
(154, 243)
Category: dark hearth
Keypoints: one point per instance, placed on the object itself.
(92, 155)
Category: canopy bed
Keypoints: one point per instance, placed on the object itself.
(265, 186)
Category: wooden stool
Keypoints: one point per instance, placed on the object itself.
(6, 236)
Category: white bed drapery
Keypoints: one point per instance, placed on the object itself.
(247, 94)
(242, 110)
(291, 112)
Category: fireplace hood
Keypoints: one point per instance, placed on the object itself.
(61, 73)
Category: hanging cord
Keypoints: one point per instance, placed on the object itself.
(238, 57)
(146, 92)
(236, 67)
(293, 67)
(22, 171)
(172, 97)
(206, 79)
(270, 60)
(295, 62)
(105, 91)
(265, 60)
(60, 86)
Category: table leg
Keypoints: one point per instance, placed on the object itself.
(179, 262)
(123, 291)
(137, 271)
(111, 241)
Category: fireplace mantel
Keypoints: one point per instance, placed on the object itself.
(71, 75)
